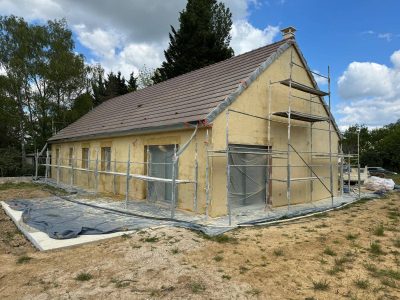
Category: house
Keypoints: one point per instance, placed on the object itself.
(257, 119)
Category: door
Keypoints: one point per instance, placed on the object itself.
(160, 159)
(249, 174)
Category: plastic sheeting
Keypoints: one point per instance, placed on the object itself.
(374, 183)
(65, 219)
(161, 167)
(248, 176)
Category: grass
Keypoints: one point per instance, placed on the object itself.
(351, 237)
(218, 258)
(23, 259)
(197, 287)
(175, 250)
(278, 252)
(362, 283)
(83, 276)
(379, 230)
(31, 185)
(322, 285)
(152, 239)
(329, 251)
(222, 238)
(375, 248)
(253, 292)
(396, 242)
(227, 277)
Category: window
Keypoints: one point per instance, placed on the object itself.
(106, 158)
(57, 156)
(70, 156)
(85, 158)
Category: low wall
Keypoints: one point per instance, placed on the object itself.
(15, 179)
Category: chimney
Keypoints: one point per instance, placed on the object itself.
(288, 32)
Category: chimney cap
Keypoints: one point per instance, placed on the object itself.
(288, 32)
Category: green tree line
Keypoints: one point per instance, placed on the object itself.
(45, 85)
(379, 147)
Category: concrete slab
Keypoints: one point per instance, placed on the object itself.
(43, 242)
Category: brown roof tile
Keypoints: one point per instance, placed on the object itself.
(186, 98)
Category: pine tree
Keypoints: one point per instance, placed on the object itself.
(132, 83)
(202, 39)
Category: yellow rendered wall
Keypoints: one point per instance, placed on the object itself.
(248, 130)
(119, 152)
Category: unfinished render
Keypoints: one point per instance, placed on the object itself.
(252, 132)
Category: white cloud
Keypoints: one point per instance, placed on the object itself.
(395, 59)
(127, 36)
(386, 36)
(246, 37)
(372, 92)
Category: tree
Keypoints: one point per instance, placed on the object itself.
(43, 75)
(132, 83)
(378, 147)
(202, 39)
(144, 78)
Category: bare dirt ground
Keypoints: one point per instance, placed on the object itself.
(352, 253)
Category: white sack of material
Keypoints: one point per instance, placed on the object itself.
(374, 183)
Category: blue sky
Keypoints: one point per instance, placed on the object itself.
(360, 40)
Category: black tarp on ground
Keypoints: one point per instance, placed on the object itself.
(64, 219)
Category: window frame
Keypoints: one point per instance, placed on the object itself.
(105, 164)
(85, 160)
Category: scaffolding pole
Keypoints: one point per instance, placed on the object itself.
(358, 164)
(288, 193)
(207, 175)
(330, 137)
(96, 171)
(228, 169)
(173, 183)
(196, 175)
(128, 165)
(47, 166)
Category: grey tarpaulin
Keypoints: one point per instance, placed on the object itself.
(248, 175)
(63, 219)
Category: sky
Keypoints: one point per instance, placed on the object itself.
(358, 39)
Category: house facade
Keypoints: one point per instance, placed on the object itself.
(232, 113)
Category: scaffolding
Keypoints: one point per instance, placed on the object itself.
(94, 167)
(315, 97)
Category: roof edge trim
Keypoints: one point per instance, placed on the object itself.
(242, 86)
(146, 130)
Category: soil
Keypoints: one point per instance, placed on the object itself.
(353, 253)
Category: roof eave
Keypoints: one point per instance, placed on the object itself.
(136, 131)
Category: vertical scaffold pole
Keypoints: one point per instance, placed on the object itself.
(269, 112)
(72, 167)
(88, 169)
(173, 183)
(311, 154)
(288, 183)
(341, 170)
(196, 175)
(330, 137)
(349, 171)
(228, 170)
(115, 170)
(46, 175)
(358, 164)
(58, 167)
(36, 164)
(128, 166)
(96, 171)
(207, 175)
